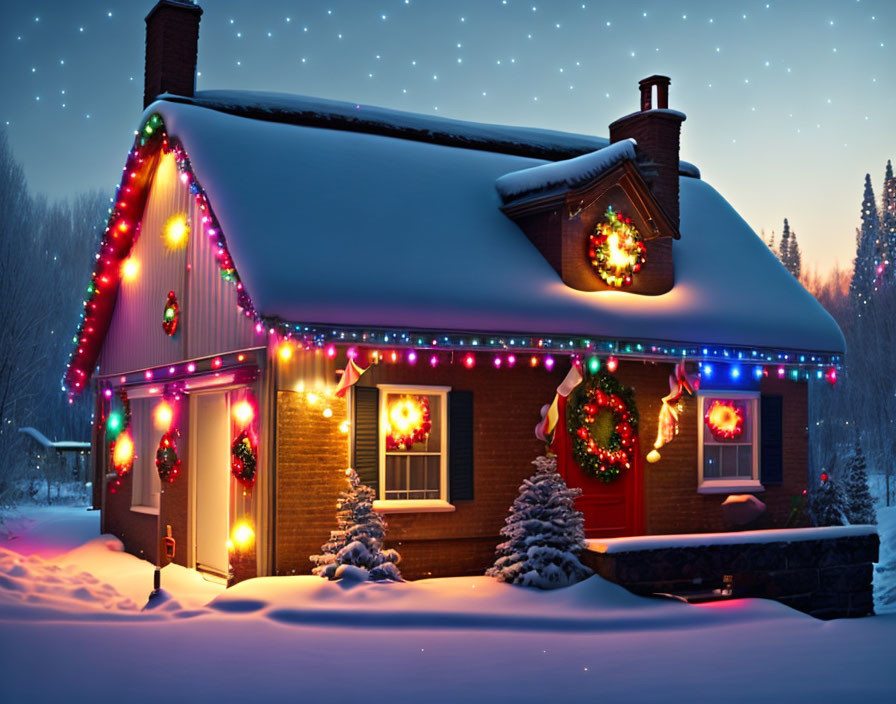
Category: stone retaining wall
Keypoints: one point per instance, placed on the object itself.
(826, 578)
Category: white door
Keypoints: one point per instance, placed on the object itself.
(211, 498)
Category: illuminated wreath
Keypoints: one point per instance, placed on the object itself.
(167, 461)
(602, 420)
(171, 314)
(409, 422)
(244, 458)
(725, 419)
(616, 249)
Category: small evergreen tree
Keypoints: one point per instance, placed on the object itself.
(358, 539)
(869, 253)
(544, 531)
(828, 503)
(859, 506)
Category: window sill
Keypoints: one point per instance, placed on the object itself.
(413, 506)
(148, 510)
(730, 486)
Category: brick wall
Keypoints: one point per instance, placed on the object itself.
(312, 455)
(138, 531)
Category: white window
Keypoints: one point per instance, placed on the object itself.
(728, 439)
(413, 444)
(145, 485)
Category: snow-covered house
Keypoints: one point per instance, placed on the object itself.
(288, 287)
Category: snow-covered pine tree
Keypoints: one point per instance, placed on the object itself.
(545, 533)
(795, 265)
(828, 503)
(869, 254)
(859, 507)
(358, 539)
(784, 247)
(888, 219)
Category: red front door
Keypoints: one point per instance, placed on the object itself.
(611, 509)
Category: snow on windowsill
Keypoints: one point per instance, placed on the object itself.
(413, 506)
(729, 486)
(694, 540)
(148, 510)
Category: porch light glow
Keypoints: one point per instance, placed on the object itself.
(243, 413)
(285, 352)
(163, 415)
(242, 536)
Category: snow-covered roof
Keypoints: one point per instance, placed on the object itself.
(351, 228)
(60, 445)
(569, 173)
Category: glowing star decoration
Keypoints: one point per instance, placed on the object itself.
(123, 453)
(171, 314)
(176, 232)
(725, 419)
(616, 250)
(409, 422)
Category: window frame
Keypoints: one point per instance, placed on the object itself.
(729, 485)
(413, 505)
(146, 489)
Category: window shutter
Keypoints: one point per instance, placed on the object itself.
(772, 443)
(460, 445)
(366, 449)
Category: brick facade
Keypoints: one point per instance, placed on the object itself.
(312, 455)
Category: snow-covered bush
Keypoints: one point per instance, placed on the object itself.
(828, 503)
(544, 531)
(358, 539)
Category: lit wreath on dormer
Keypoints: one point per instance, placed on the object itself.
(616, 249)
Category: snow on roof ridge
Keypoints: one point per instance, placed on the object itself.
(569, 172)
(534, 142)
(335, 114)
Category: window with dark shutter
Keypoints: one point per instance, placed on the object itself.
(772, 432)
(365, 450)
(460, 446)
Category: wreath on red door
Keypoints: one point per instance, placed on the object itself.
(602, 420)
(167, 461)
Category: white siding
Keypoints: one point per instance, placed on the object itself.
(210, 322)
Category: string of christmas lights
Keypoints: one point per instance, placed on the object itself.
(506, 350)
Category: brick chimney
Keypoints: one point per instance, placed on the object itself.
(172, 42)
(658, 134)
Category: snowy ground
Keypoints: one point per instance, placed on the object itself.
(71, 629)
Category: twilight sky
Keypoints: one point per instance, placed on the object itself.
(789, 103)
